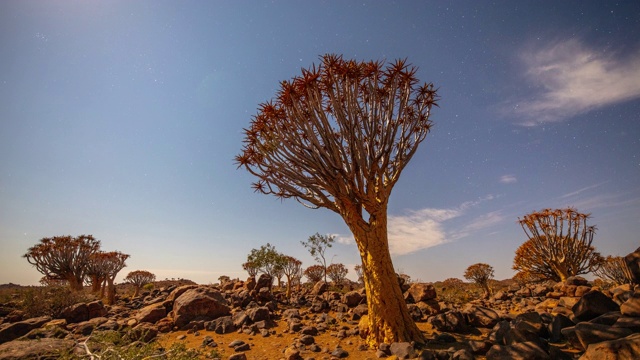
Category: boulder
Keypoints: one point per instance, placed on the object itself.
(41, 349)
(151, 314)
(264, 281)
(518, 351)
(631, 307)
(593, 304)
(20, 328)
(633, 263)
(451, 321)
(589, 333)
(622, 349)
(352, 298)
(259, 314)
(250, 284)
(75, 313)
(319, 288)
(222, 325)
(402, 350)
(421, 292)
(96, 309)
(202, 303)
(480, 316)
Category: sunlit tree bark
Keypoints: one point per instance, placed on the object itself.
(338, 137)
(559, 245)
(139, 278)
(63, 258)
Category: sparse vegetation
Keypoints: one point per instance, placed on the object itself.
(139, 278)
(480, 274)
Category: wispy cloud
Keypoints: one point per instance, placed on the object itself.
(508, 179)
(479, 223)
(573, 79)
(579, 191)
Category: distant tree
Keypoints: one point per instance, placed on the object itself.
(63, 258)
(559, 245)
(96, 273)
(480, 274)
(114, 261)
(338, 137)
(453, 283)
(278, 272)
(138, 279)
(223, 279)
(337, 273)
(251, 268)
(314, 273)
(317, 245)
(358, 270)
(523, 278)
(290, 268)
(267, 259)
(614, 269)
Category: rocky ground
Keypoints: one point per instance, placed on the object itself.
(246, 320)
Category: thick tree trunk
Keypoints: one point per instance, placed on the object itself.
(136, 292)
(111, 292)
(389, 319)
(96, 283)
(74, 283)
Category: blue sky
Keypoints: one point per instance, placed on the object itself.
(121, 119)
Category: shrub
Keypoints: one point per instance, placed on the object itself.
(49, 300)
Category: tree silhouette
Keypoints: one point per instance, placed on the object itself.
(317, 245)
(63, 258)
(138, 279)
(480, 274)
(338, 137)
(559, 245)
(251, 268)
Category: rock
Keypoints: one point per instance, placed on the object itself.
(632, 323)
(633, 263)
(631, 307)
(250, 284)
(75, 313)
(319, 288)
(593, 304)
(175, 293)
(352, 298)
(222, 325)
(96, 309)
(204, 303)
(422, 292)
(238, 356)
(41, 349)
(402, 350)
(589, 333)
(144, 332)
(339, 353)
(15, 330)
(86, 327)
(151, 314)
(451, 321)
(480, 316)
(518, 351)
(559, 322)
(264, 281)
(623, 349)
(291, 353)
(259, 314)
(479, 347)
(577, 281)
(462, 354)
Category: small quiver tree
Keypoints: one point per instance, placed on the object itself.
(314, 273)
(338, 137)
(290, 268)
(114, 261)
(480, 274)
(559, 245)
(317, 245)
(138, 279)
(337, 273)
(615, 270)
(251, 268)
(63, 258)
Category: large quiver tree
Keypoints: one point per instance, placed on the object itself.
(559, 245)
(64, 257)
(338, 137)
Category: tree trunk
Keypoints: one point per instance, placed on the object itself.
(136, 292)
(389, 319)
(96, 283)
(74, 283)
(111, 292)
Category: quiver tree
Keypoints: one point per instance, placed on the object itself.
(337, 273)
(480, 274)
(317, 245)
(614, 269)
(290, 268)
(559, 245)
(114, 261)
(63, 258)
(314, 273)
(251, 268)
(338, 137)
(138, 279)
(96, 273)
